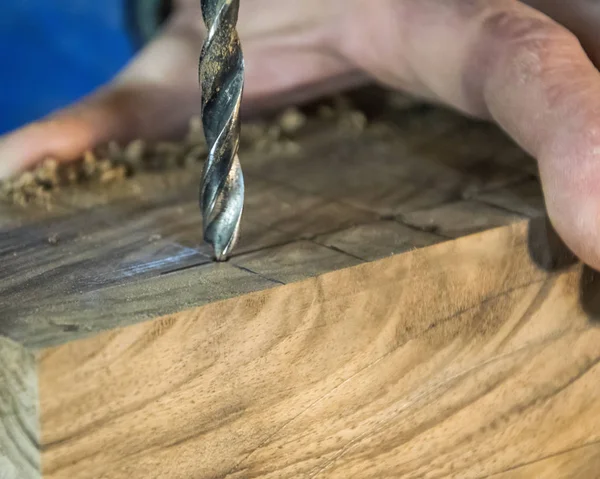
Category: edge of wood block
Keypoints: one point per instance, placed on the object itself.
(19, 428)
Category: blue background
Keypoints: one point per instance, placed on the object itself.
(53, 52)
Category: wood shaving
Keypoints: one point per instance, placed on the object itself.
(251, 133)
(401, 101)
(342, 111)
(195, 133)
(326, 112)
(354, 121)
(114, 174)
(112, 162)
(134, 152)
(292, 120)
(107, 164)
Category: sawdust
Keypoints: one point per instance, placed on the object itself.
(108, 163)
(342, 111)
(113, 163)
(292, 120)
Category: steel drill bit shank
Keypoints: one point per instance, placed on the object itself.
(222, 82)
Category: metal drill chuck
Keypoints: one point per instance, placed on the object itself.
(222, 80)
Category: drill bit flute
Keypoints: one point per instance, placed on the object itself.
(222, 80)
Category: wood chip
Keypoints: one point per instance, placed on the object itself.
(292, 120)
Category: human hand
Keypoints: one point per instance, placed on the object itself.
(495, 59)
(288, 49)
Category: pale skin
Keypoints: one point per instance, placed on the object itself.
(529, 68)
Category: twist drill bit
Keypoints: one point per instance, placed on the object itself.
(222, 81)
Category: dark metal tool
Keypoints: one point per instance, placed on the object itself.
(222, 82)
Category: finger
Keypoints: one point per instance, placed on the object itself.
(505, 61)
(152, 98)
(581, 17)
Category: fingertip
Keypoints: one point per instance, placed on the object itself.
(580, 233)
(571, 185)
(18, 150)
(10, 160)
(63, 137)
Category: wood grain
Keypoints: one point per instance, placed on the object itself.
(463, 359)
(579, 463)
(373, 241)
(399, 306)
(94, 260)
(460, 218)
(19, 430)
(524, 198)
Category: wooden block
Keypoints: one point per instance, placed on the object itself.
(67, 266)
(458, 360)
(389, 312)
(77, 315)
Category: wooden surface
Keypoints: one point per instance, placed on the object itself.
(460, 360)
(111, 255)
(398, 307)
(580, 462)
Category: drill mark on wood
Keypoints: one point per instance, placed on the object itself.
(341, 251)
(248, 270)
(184, 268)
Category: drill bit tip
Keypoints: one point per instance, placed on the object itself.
(222, 221)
